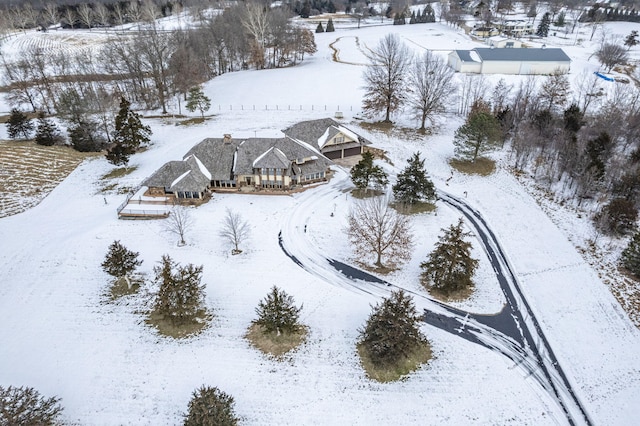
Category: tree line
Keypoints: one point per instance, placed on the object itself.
(154, 67)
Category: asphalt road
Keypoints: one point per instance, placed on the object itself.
(514, 332)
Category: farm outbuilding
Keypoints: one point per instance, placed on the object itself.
(510, 61)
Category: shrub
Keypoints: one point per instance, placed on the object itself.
(209, 406)
(277, 313)
(25, 406)
(391, 332)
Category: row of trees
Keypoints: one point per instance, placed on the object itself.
(393, 79)
(154, 66)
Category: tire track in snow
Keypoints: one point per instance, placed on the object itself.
(507, 332)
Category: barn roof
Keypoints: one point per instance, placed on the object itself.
(465, 55)
(523, 54)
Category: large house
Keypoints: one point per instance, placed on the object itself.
(241, 164)
(331, 138)
(510, 61)
(301, 157)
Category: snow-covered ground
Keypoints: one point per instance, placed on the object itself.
(61, 335)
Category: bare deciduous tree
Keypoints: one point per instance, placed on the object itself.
(385, 76)
(472, 89)
(256, 22)
(431, 84)
(51, 14)
(102, 14)
(70, 16)
(235, 230)
(376, 228)
(555, 91)
(179, 222)
(610, 55)
(150, 11)
(86, 14)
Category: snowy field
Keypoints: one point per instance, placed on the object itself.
(61, 335)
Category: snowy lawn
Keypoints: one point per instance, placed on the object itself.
(62, 335)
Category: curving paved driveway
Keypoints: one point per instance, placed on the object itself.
(514, 332)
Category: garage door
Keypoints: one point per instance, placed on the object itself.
(352, 151)
(332, 155)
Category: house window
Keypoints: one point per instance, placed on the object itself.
(339, 139)
(278, 172)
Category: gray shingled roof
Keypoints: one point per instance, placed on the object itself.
(522, 54)
(465, 55)
(216, 155)
(273, 159)
(192, 180)
(166, 174)
(250, 149)
(310, 131)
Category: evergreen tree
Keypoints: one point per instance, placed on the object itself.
(197, 100)
(573, 118)
(543, 26)
(450, 266)
(632, 39)
(479, 134)
(19, 125)
(120, 261)
(596, 153)
(277, 313)
(330, 27)
(365, 173)
(560, 19)
(47, 132)
(392, 330)
(25, 406)
(412, 20)
(305, 12)
(209, 406)
(319, 28)
(630, 257)
(533, 11)
(181, 295)
(118, 155)
(84, 137)
(413, 185)
(129, 130)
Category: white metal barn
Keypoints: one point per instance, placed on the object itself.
(510, 61)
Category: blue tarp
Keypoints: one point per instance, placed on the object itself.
(604, 77)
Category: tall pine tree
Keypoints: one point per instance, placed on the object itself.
(365, 173)
(392, 331)
(543, 26)
(278, 313)
(330, 27)
(197, 100)
(479, 134)
(413, 184)
(129, 135)
(630, 257)
(120, 261)
(181, 296)
(450, 267)
(19, 125)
